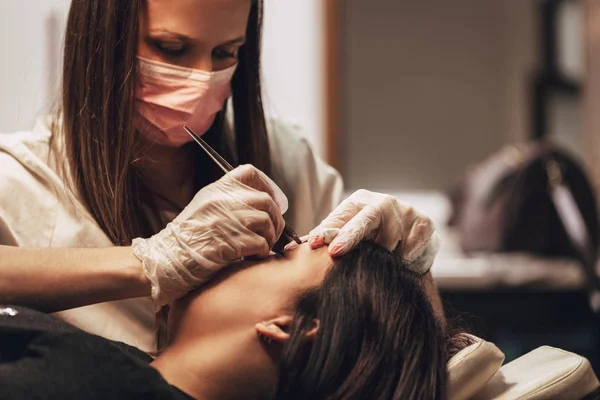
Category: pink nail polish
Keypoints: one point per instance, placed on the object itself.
(316, 242)
(337, 250)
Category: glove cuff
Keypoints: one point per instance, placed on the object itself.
(162, 268)
(423, 263)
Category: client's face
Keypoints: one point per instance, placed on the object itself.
(249, 292)
(368, 315)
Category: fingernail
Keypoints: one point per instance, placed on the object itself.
(334, 251)
(316, 242)
(291, 246)
(337, 249)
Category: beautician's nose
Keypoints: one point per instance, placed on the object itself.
(204, 63)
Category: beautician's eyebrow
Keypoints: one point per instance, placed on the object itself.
(237, 40)
(171, 33)
(241, 39)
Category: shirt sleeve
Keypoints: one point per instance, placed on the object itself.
(28, 203)
(43, 358)
(313, 187)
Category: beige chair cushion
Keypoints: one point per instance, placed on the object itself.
(471, 368)
(544, 373)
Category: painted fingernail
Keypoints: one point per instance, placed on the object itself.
(337, 249)
(316, 241)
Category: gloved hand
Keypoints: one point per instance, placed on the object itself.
(239, 215)
(383, 219)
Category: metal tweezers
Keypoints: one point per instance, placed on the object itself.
(288, 235)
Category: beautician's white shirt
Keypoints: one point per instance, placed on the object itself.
(37, 211)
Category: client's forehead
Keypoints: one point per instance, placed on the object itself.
(304, 254)
(311, 265)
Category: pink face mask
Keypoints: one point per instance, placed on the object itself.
(169, 96)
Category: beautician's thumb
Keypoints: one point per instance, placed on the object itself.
(330, 227)
(363, 226)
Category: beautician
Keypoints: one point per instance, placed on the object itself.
(108, 212)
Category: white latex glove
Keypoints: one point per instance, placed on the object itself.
(382, 218)
(240, 215)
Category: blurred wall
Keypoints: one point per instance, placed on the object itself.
(432, 87)
(31, 33)
(293, 66)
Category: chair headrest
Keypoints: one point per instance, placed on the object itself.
(472, 367)
(544, 373)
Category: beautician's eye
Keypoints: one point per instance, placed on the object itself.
(170, 49)
(223, 54)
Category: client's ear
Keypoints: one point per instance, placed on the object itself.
(310, 335)
(277, 329)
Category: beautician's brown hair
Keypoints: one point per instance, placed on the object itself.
(97, 107)
(377, 337)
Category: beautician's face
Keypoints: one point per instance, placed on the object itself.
(200, 34)
(251, 292)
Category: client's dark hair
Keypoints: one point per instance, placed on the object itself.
(378, 337)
